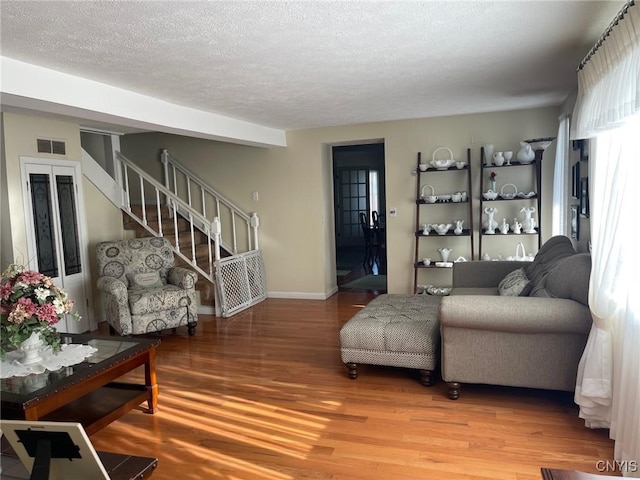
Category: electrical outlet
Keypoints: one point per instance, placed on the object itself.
(393, 212)
(254, 195)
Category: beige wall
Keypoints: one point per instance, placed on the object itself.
(295, 186)
(103, 220)
(6, 248)
(296, 195)
(20, 134)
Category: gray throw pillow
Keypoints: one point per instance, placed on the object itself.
(554, 250)
(570, 279)
(514, 284)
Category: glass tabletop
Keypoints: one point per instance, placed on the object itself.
(111, 350)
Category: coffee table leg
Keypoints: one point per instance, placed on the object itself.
(151, 381)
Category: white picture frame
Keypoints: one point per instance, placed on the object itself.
(86, 465)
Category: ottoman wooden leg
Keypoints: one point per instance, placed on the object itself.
(426, 377)
(353, 370)
(454, 390)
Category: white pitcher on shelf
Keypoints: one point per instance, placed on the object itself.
(525, 154)
(516, 227)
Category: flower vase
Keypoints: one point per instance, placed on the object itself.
(493, 186)
(30, 349)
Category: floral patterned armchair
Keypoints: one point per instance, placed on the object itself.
(142, 289)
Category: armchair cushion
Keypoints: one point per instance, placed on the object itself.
(149, 300)
(149, 279)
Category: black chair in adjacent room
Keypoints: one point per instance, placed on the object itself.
(371, 235)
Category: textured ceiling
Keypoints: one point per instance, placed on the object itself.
(292, 65)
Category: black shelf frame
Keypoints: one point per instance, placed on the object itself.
(537, 164)
(466, 232)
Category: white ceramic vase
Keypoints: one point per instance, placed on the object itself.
(490, 224)
(30, 349)
(444, 253)
(528, 223)
(488, 153)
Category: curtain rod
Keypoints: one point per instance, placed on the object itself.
(606, 33)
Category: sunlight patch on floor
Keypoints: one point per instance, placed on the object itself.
(248, 430)
(233, 463)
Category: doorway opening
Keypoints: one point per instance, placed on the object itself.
(360, 226)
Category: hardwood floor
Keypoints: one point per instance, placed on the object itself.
(264, 395)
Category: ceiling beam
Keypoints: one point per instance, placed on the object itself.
(32, 87)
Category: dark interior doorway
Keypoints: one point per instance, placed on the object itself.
(360, 226)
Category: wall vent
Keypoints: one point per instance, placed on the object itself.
(51, 146)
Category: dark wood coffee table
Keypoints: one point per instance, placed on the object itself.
(86, 392)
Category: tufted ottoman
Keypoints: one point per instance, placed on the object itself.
(394, 330)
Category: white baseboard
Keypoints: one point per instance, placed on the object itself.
(206, 310)
(303, 295)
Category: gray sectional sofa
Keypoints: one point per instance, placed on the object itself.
(531, 335)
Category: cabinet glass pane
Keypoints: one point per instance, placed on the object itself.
(68, 224)
(43, 224)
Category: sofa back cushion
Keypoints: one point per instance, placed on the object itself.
(554, 250)
(570, 279)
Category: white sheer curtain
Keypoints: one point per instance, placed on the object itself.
(560, 180)
(608, 109)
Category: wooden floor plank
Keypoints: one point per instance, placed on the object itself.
(263, 395)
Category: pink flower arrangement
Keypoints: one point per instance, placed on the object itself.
(29, 301)
(493, 176)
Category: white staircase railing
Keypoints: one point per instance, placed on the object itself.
(140, 189)
(239, 279)
(239, 230)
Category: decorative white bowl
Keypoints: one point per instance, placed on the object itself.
(540, 143)
(526, 195)
(490, 195)
(443, 163)
(442, 228)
